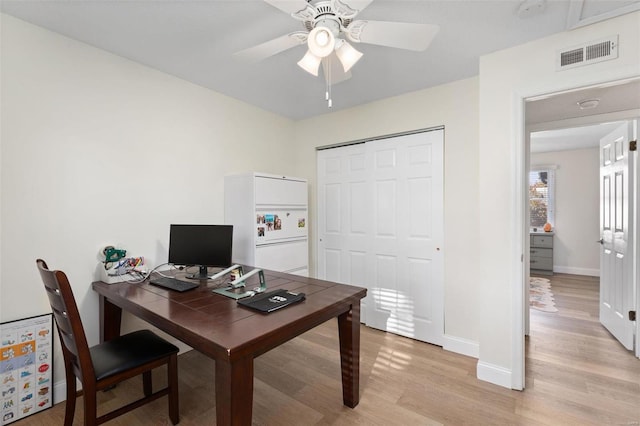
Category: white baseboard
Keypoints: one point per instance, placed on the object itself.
(59, 391)
(576, 271)
(461, 346)
(494, 374)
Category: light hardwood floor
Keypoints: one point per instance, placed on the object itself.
(576, 374)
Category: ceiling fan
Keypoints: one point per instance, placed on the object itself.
(329, 27)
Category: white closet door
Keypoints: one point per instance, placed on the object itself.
(381, 226)
(343, 216)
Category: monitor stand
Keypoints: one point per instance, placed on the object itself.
(203, 274)
(237, 288)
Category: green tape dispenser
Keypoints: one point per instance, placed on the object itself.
(112, 254)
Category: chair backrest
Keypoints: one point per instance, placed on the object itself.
(65, 312)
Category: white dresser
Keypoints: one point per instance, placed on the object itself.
(541, 253)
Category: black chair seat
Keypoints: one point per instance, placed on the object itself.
(129, 351)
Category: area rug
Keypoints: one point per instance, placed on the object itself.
(540, 295)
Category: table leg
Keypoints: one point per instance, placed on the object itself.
(110, 319)
(234, 391)
(349, 332)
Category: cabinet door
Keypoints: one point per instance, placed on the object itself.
(542, 241)
(541, 252)
(275, 191)
(275, 224)
(542, 263)
(283, 257)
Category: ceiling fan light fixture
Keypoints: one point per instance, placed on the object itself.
(310, 63)
(347, 54)
(321, 41)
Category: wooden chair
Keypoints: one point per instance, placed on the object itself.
(103, 366)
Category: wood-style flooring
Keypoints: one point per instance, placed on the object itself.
(576, 374)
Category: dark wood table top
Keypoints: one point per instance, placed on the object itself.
(220, 328)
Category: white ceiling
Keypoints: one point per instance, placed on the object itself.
(571, 138)
(195, 40)
(610, 99)
(613, 100)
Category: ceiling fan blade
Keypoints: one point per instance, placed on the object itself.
(288, 6)
(358, 5)
(348, 9)
(332, 69)
(393, 34)
(272, 47)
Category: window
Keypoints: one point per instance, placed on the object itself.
(541, 196)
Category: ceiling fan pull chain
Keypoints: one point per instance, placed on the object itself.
(328, 92)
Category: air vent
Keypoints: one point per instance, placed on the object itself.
(571, 57)
(599, 50)
(588, 53)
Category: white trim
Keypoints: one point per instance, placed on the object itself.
(60, 392)
(572, 89)
(526, 93)
(527, 240)
(584, 121)
(494, 374)
(543, 167)
(576, 271)
(636, 240)
(461, 346)
(375, 138)
(519, 187)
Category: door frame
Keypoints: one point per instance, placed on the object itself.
(621, 116)
(519, 264)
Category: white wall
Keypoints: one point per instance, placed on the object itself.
(455, 106)
(100, 150)
(577, 210)
(505, 78)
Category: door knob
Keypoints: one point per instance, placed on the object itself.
(601, 241)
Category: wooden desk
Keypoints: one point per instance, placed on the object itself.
(233, 335)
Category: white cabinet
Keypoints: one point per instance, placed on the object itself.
(270, 221)
(280, 190)
(289, 256)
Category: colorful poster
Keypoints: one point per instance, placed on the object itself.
(26, 367)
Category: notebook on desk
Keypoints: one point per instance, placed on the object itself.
(272, 300)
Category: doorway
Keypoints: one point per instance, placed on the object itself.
(539, 120)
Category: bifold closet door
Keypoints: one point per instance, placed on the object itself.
(380, 226)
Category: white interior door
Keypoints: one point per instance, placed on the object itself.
(380, 217)
(617, 295)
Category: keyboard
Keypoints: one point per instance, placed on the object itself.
(174, 284)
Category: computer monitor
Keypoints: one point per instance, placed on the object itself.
(201, 245)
